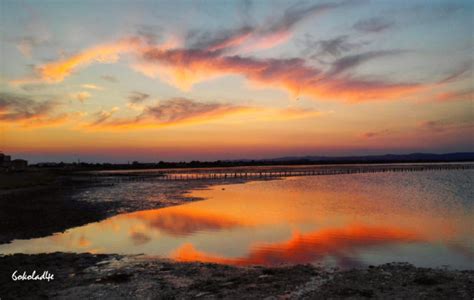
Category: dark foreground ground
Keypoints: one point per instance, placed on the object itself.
(87, 276)
(38, 203)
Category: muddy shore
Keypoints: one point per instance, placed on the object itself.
(37, 204)
(87, 276)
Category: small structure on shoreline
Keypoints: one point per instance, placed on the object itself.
(7, 164)
(19, 164)
(5, 160)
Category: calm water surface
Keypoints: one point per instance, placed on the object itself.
(425, 218)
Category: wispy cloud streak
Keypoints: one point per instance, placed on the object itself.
(267, 35)
(171, 112)
(57, 71)
(373, 25)
(26, 112)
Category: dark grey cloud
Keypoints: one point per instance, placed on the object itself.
(336, 46)
(218, 40)
(137, 97)
(323, 50)
(436, 126)
(351, 61)
(373, 25)
(299, 12)
(102, 116)
(373, 134)
(167, 112)
(461, 122)
(179, 109)
(463, 71)
(15, 107)
(151, 33)
(224, 39)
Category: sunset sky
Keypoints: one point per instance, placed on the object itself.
(179, 80)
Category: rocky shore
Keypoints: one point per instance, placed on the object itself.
(87, 276)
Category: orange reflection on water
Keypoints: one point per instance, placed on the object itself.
(347, 219)
(307, 248)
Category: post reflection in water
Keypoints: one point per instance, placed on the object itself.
(343, 220)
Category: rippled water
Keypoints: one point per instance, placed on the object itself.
(425, 218)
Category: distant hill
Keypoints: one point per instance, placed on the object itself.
(386, 158)
(289, 160)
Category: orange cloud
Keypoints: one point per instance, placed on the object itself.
(249, 39)
(467, 94)
(208, 58)
(56, 71)
(290, 113)
(374, 134)
(231, 41)
(48, 121)
(107, 53)
(268, 41)
(183, 68)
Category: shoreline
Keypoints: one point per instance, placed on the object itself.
(89, 276)
(42, 210)
(33, 211)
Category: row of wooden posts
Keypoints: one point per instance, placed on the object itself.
(309, 172)
(316, 171)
